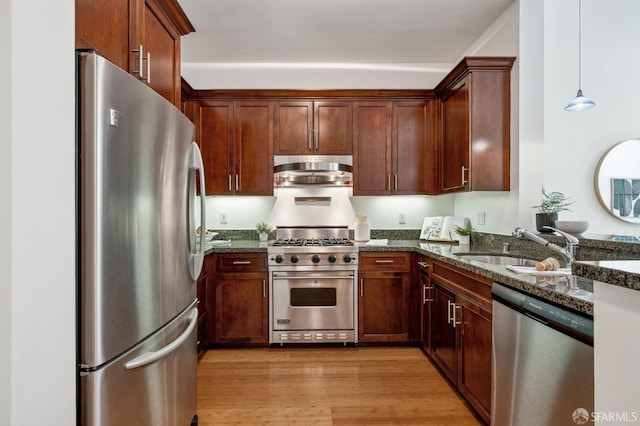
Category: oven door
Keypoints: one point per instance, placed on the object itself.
(313, 300)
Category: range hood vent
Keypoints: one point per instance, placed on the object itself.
(325, 170)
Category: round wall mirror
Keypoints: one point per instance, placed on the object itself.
(617, 180)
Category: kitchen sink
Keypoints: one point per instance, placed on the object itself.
(499, 260)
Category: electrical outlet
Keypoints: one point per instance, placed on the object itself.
(402, 218)
(223, 217)
(481, 219)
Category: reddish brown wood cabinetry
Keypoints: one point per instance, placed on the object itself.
(425, 291)
(384, 305)
(240, 300)
(140, 36)
(313, 127)
(236, 142)
(461, 333)
(475, 144)
(202, 292)
(394, 147)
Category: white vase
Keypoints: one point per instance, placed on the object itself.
(264, 236)
(464, 239)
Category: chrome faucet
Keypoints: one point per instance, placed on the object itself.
(569, 252)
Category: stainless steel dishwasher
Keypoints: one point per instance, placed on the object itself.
(542, 363)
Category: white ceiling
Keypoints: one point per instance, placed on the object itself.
(245, 36)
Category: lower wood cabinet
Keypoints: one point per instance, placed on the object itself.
(202, 290)
(240, 300)
(383, 297)
(461, 333)
(425, 291)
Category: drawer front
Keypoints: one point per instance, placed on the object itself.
(241, 262)
(384, 261)
(467, 283)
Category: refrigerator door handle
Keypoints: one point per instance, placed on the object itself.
(149, 357)
(197, 258)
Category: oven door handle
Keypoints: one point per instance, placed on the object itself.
(306, 277)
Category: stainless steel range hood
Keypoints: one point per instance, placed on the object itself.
(316, 170)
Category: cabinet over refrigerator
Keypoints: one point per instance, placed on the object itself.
(137, 254)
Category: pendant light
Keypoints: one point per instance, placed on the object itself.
(580, 102)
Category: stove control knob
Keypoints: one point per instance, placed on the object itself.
(279, 258)
(332, 258)
(294, 259)
(346, 258)
(315, 258)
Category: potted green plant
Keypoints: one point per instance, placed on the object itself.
(263, 229)
(464, 233)
(551, 204)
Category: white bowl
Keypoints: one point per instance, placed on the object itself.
(208, 236)
(572, 226)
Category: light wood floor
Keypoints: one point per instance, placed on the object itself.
(325, 386)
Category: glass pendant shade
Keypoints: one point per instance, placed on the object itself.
(579, 103)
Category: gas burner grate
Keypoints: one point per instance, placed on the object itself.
(337, 242)
(289, 242)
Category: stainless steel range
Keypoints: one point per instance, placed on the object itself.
(312, 286)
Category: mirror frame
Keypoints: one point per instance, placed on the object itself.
(603, 184)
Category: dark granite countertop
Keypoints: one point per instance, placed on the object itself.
(569, 291)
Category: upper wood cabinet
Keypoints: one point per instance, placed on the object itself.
(140, 36)
(394, 147)
(475, 144)
(313, 127)
(236, 142)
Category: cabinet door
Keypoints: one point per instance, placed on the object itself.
(383, 314)
(104, 25)
(253, 148)
(454, 152)
(241, 308)
(333, 127)
(474, 356)
(426, 305)
(372, 146)
(293, 128)
(412, 150)
(444, 334)
(214, 133)
(162, 45)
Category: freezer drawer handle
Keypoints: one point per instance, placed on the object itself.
(149, 357)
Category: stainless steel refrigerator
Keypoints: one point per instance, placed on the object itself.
(138, 255)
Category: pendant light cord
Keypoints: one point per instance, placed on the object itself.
(579, 44)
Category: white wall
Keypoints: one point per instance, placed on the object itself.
(574, 141)
(5, 217)
(37, 217)
(382, 212)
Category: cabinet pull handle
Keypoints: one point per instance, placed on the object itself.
(237, 183)
(316, 136)
(423, 264)
(229, 183)
(463, 180)
(384, 261)
(140, 53)
(264, 289)
(389, 182)
(310, 139)
(361, 287)
(449, 304)
(395, 181)
(242, 262)
(455, 320)
(424, 294)
(148, 78)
